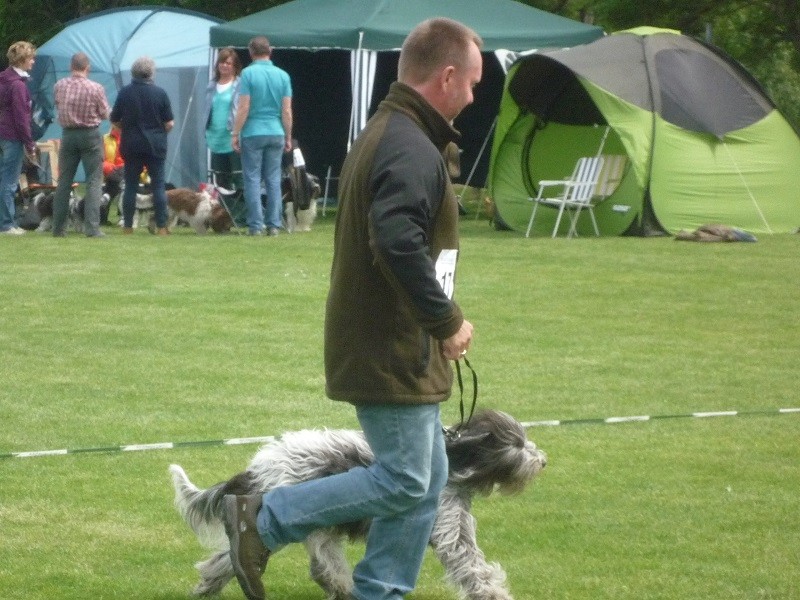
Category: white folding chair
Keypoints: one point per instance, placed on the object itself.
(610, 175)
(576, 195)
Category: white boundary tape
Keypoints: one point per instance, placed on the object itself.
(269, 438)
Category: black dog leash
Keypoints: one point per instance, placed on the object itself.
(455, 432)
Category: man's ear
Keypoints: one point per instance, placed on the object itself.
(447, 75)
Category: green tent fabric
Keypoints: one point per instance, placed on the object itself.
(342, 57)
(699, 139)
(383, 24)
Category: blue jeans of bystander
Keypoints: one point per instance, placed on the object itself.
(261, 161)
(11, 153)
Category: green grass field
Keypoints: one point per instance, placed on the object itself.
(142, 340)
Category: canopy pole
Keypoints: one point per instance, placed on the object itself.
(212, 61)
(603, 141)
(355, 85)
(747, 187)
(184, 118)
(477, 160)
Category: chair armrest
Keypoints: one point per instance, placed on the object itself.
(546, 183)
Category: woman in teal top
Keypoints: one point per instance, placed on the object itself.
(222, 98)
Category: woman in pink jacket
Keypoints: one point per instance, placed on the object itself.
(15, 129)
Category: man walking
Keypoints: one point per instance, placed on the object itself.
(390, 329)
(262, 132)
(82, 106)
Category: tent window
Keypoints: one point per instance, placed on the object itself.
(551, 91)
(699, 93)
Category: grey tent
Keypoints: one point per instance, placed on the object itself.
(335, 89)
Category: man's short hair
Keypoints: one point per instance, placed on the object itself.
(79, 62)
(259, 46)
(143, 67)
(433, 44)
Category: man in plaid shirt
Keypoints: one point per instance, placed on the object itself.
(82, 106)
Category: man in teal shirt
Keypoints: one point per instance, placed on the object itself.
(262, 132)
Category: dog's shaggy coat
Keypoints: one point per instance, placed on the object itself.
(43, 204)
(490, 452)
(300, 191)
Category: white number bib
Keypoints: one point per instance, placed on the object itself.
(446, 270)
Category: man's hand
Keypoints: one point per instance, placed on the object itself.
(457, 345)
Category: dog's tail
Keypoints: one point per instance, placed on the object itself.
(202, 509)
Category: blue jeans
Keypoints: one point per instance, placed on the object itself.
(261, 161)
(11, 153)
(134, 165)
(399, 491)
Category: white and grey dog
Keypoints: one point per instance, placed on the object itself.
(300, 191)
(491, 453)
(43, 203)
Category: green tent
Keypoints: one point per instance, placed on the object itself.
(691, 137)
(342, 56)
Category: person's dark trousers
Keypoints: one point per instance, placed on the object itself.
(134, 165)
(228, 170)
(79, 145)
(113, 182)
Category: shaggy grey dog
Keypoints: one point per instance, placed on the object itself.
(491, 452)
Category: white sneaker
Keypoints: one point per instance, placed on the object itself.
(13, 231)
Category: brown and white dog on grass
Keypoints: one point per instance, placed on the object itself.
(190, 207)
(491, 452)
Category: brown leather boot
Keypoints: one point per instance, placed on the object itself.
(127, 230)
(248, 554)
(162, 231)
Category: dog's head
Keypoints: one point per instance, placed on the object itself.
(43, 201)
(493, 452)
(220, 220)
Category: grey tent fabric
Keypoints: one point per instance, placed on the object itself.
(681, 75)
(682, 104)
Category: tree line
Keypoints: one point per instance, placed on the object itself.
(764, 35)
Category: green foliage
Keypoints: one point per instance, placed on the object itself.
(139, 339)
(762, 34)
(749, 35)
(33, 21)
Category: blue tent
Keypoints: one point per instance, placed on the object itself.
(176, 39)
